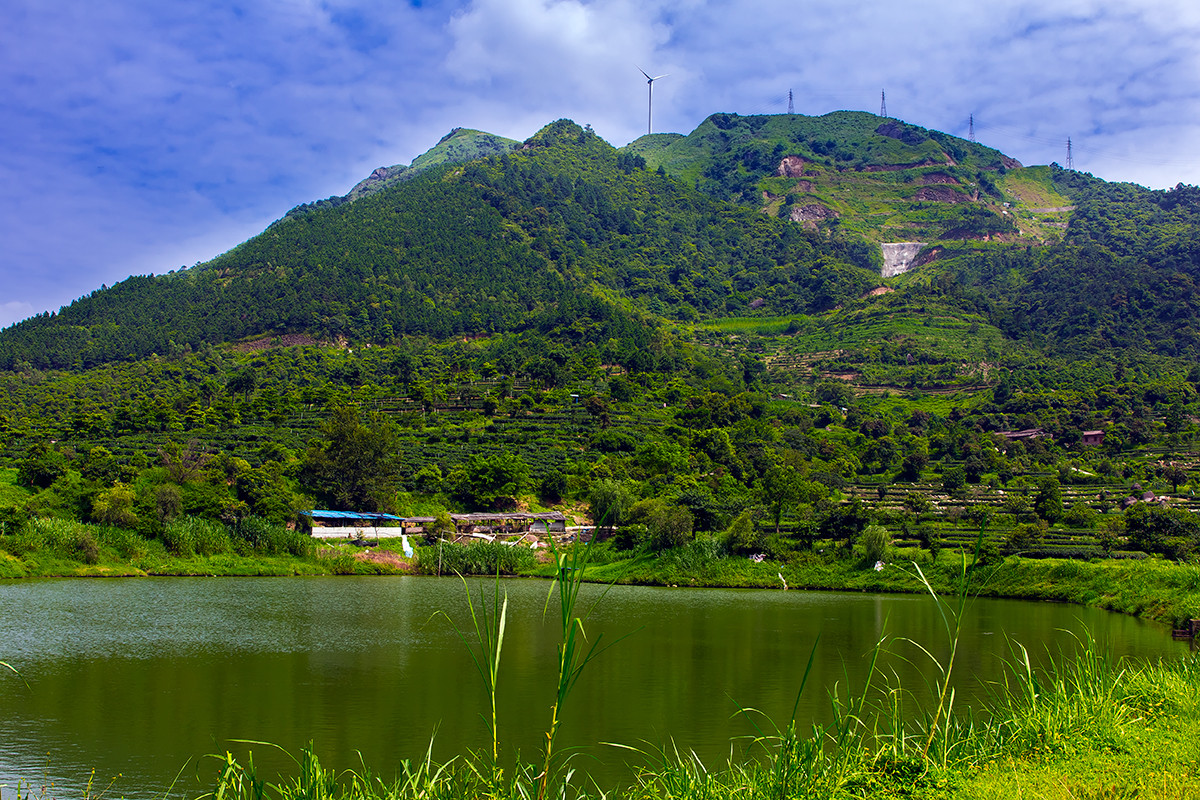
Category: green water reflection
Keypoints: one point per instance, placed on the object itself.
(138, 676)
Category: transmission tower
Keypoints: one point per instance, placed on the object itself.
(1070, 158)
(791, 105)
(971, 127)
(883, 104)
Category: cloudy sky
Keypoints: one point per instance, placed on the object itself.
(139, 136)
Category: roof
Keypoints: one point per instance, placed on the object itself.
(478, 517)
(324, 514)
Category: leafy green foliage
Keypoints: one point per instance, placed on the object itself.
(355, 468)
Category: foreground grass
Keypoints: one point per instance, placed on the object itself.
(1089, 728)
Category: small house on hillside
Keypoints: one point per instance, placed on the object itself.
(1028, 433)
(1092, 438)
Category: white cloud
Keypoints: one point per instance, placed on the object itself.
(143, 135)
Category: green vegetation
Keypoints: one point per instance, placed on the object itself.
(688, 339)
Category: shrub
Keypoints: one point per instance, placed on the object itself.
(259, 535)
(632, 536)
(128, 544)
(741, 537)
(697, 554)
(875, 542)
(1080, 515)
(58, 537)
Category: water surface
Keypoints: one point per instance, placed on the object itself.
(143, 677)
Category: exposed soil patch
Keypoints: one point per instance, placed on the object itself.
(812, 212)
(791, 167)
(938, 178)
(940, 194)
(393, 560)
(268, 342)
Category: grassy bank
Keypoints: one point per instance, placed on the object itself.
(1157, 590)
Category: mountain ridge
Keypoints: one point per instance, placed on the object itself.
(747, 216)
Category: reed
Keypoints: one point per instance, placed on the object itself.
(574, 652)
(485, 643)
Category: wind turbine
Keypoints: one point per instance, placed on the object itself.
(650, 97)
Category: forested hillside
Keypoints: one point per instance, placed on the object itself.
(650, 336)
(1124, 278)
(498, 245)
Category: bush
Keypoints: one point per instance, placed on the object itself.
(697, 554)
(875, 542)
(741, 537)
(58, 537)
(128, 544)
(632, 536)
(1026, 536)
(1080, 515)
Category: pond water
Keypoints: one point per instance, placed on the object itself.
(143, 677)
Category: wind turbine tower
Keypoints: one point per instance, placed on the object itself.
(650, 97)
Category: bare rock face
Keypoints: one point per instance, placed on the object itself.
(375, 181)
(812, 212)
(898, 257)
(790, 167)
(939, 178)
(940, 194)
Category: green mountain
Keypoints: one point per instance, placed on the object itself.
(539, 323)
(460, 144)
(769, 217)
(565, 227)
(881, 178)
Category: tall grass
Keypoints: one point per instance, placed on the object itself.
(482, 558)
(58, 538)
(193, 536)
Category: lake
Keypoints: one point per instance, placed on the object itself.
(143, 677)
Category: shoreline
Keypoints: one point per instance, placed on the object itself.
(1155, 590)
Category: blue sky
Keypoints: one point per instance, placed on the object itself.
(139, 136)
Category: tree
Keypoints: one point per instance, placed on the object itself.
(356, 467)
(875, 542)
(1176, 474)
(114, 506)
(41, 466)
(782, 487)
(844, 523)
(1048, 501)
(610, 502)
(491, 482)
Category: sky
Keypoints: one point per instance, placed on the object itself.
(141, 136)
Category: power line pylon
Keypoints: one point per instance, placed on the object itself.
(971, 127)
(791, 105)
(883, 104)
(1070, 158)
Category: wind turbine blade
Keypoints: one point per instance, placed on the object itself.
(644, 73)
(660, 76)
